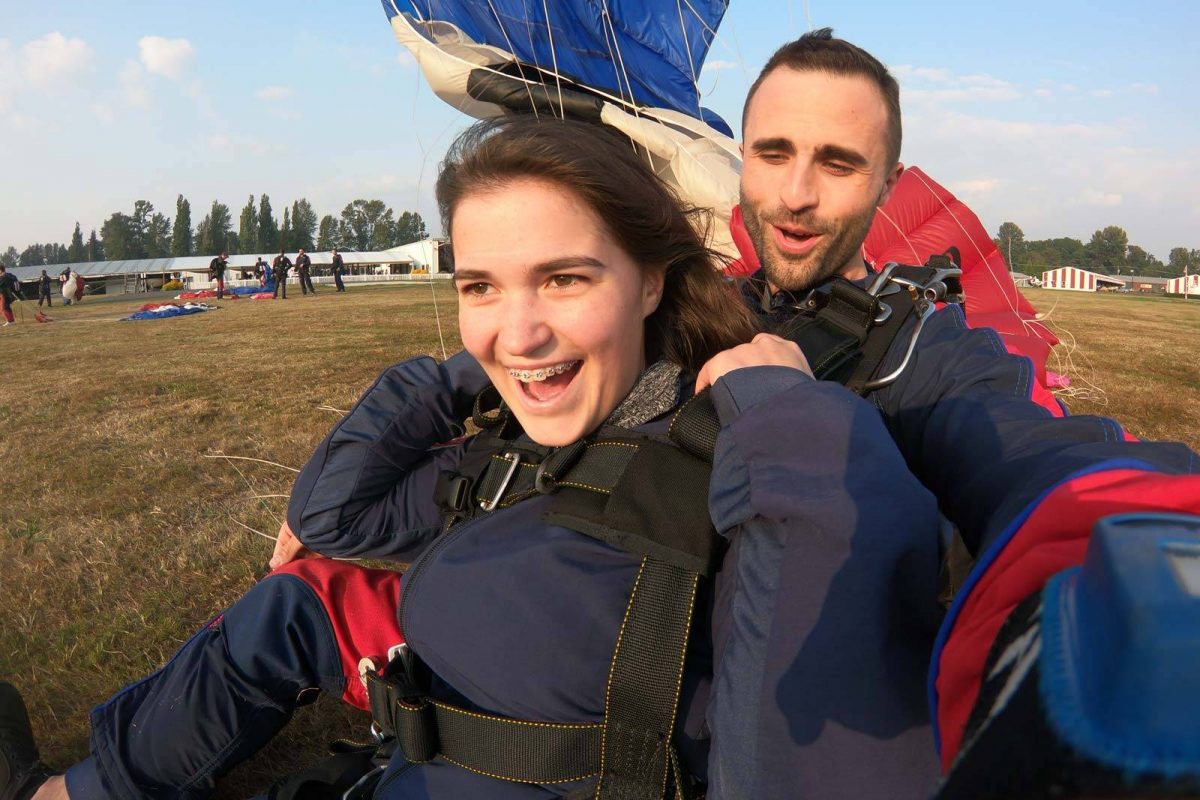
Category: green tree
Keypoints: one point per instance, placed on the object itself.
(411, 228)
(327, 235)
(248, 229)
(1139, 262)
(304, 224)
(76, 253)
(32, 256)
(1010, 240)
(204, 237)
(1106, 251)
(285, 232)
(139, 229)
(10, 257)
(181, 233)
(1181, 260)
(359, 222)
(220, 227)
(116, 236)
(158, 237)
(1044, 254)
(268, 230)
(95, 250)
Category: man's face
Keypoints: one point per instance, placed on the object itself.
(815, 168)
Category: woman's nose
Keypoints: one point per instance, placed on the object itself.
(524, 328)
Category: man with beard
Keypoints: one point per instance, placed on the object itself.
(1022, 485)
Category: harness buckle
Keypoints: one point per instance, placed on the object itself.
(452, 491)
(514, 460)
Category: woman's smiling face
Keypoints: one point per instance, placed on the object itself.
(550, 305)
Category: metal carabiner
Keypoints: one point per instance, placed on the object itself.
(514, 460)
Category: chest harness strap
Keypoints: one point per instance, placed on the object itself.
(645, 495)
(845, 331)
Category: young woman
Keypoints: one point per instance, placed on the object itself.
(588, 301)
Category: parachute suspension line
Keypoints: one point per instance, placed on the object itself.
(250, 486)
(619, 60)
(517, 61)
(687, 45)
(916, 256)
(553, 59)
(438, 316)
(1007, 297)
(735, 48)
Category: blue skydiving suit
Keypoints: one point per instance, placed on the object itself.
(520, 617)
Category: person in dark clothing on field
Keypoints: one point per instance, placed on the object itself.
(339, 268)
(10, 289)
(216, 271)
(303, 267)
(261, 271)
(280, 266)
(44, 289)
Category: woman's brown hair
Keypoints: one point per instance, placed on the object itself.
(700, 314)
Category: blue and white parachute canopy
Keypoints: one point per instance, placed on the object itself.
(629, 64)
(646, 53)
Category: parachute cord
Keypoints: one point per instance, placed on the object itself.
(517, 61)
(1028, 326)
(438, 316)
(620, 60)
(562, 112)
(735, 48)
(687, 45)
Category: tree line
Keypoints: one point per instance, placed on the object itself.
(1108, 252)
(363, 225)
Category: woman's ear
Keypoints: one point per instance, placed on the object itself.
(652, 290)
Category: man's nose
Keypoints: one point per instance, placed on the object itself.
(799, 190)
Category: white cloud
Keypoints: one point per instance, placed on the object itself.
(103, 113)
(405, 59)
(1144, 88)
(53, 57)
(1096, 197)
(166, 57)
(975, 188)
(717, 64)
(274, 93)
(1042, 93)
(1101, 93)
(134, 91)
(937, 85)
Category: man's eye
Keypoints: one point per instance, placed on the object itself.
(564, 281)
(773, 158)
(839, 169)
(475, 289)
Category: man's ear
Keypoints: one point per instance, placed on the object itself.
(652, 290)
(890, 184)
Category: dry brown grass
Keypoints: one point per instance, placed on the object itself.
(118, 535)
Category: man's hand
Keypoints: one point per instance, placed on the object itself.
(288, 548)
(764, 350)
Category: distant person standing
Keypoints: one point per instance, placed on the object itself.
(280, 267)
(339, 269)
(44, 290)
(10, 289)
(303, 266)
(261, 271)
(64, 278)
(216, 271)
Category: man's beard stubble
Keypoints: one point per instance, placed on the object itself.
(842, 240)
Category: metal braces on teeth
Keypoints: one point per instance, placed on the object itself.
(527, 375)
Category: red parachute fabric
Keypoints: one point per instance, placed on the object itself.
(922, 219)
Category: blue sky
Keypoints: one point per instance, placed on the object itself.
(1063, 119)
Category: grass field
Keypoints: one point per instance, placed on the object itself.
(119, 529)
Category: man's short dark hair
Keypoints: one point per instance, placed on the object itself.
(819, 51)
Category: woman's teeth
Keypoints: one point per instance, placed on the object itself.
(541, 374)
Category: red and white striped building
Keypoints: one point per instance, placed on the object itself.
(1187, 285)
(1075, 279)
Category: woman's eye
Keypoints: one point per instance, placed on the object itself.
(564, 281)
